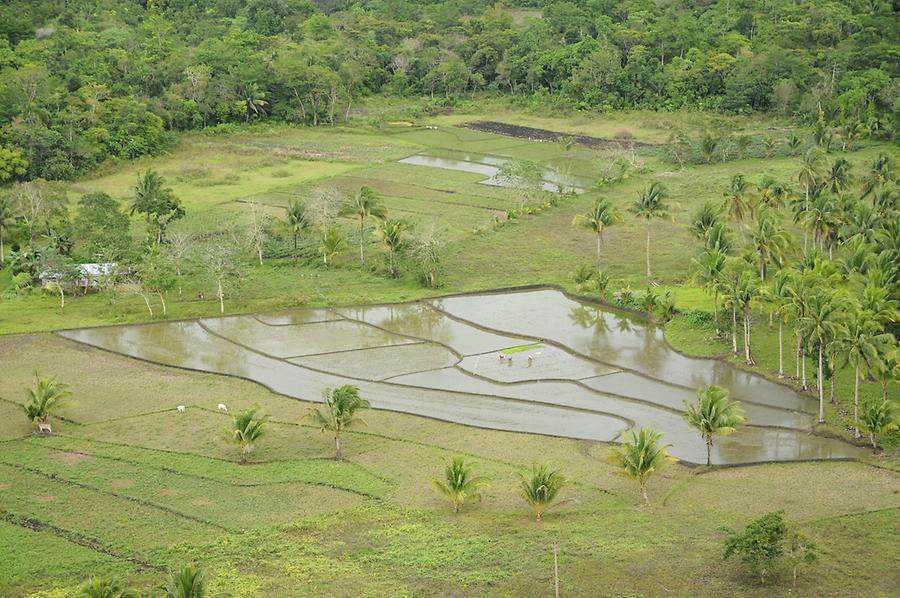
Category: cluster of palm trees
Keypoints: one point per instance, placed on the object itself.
(365, 206)
(839, 296)
(650, 204)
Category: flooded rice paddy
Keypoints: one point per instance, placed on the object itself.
(568, 369)
(489, 167)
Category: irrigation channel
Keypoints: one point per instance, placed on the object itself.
(568, 369)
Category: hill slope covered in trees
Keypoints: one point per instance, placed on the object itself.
(84, 80)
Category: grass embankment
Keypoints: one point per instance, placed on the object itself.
(129, 485)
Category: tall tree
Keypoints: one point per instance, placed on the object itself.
(710, 272)
(601, 215)
(339, 413)
(714, 414)
(864, 346)
(641, 455)
(650, 204)
(769, 241)
(298, 220)
(156, 202)
(393, 234)
(364, 205)
(822, 323)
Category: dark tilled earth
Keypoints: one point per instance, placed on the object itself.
(498, 128)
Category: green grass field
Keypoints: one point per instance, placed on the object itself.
(128, 486)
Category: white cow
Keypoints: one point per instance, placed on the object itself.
(180, 408)
(44, 427)
(222, 407)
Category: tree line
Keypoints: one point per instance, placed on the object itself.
(80, 83)
(835, 291)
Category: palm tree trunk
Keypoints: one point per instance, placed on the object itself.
(780, 349)
(820, 385)
(716, 312)
(709, 445)
(747, 356)
(362, 257)
(734, 329)
(62, 298)
(163, 301)
(295, 241)
(644, 495)
(221, 293)
(648, 250)
(856, 401)
(147, 301)
(337, 446)
(598, 252)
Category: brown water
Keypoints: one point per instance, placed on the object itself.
(594, 374)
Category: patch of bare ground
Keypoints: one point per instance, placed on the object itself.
(70, 458)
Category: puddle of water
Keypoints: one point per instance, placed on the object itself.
(489, 167)
(619, 370)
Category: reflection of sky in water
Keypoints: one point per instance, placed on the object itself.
(650, 391)
(489, 167)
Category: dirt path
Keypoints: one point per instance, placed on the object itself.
(487, 126)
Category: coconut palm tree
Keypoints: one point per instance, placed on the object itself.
(878, 418)
(650, 204)
(47, 396)
(770, 144)
(821, 217)
(839, 176)
(746, 293)
(391, 233)
(7, 219)
(339, 413)
(600, 216)
(718, 238)
(639, 456)
(737, 201)
(881, 172)
(247, 427)
(708, 145)
(781, 297)
(850, 132)
(459, 485)
(709, 272)
(705, 218)
(333, 242)
(809, 177)
(298, 220)
(769, 193)
(794, 142)
(104, 588)
(822, 323)
(189, 582)
(864, 346)
(364, 205)
(769, 241)
(541, 488)
(714, 414)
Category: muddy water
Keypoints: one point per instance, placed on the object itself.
(489, 167)
(595, 374)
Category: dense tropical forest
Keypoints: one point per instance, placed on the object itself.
(82, 81)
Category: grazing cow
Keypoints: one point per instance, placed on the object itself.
(180, 409)
(222, 407)
(44, 427)
(530, 360)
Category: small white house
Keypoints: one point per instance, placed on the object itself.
(89, 274)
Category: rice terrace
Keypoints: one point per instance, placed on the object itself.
(406, 298)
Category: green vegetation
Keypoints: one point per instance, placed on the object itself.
(714, 414)
(459, 485)
(171, 490)
(236, 155)
(640, 456)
